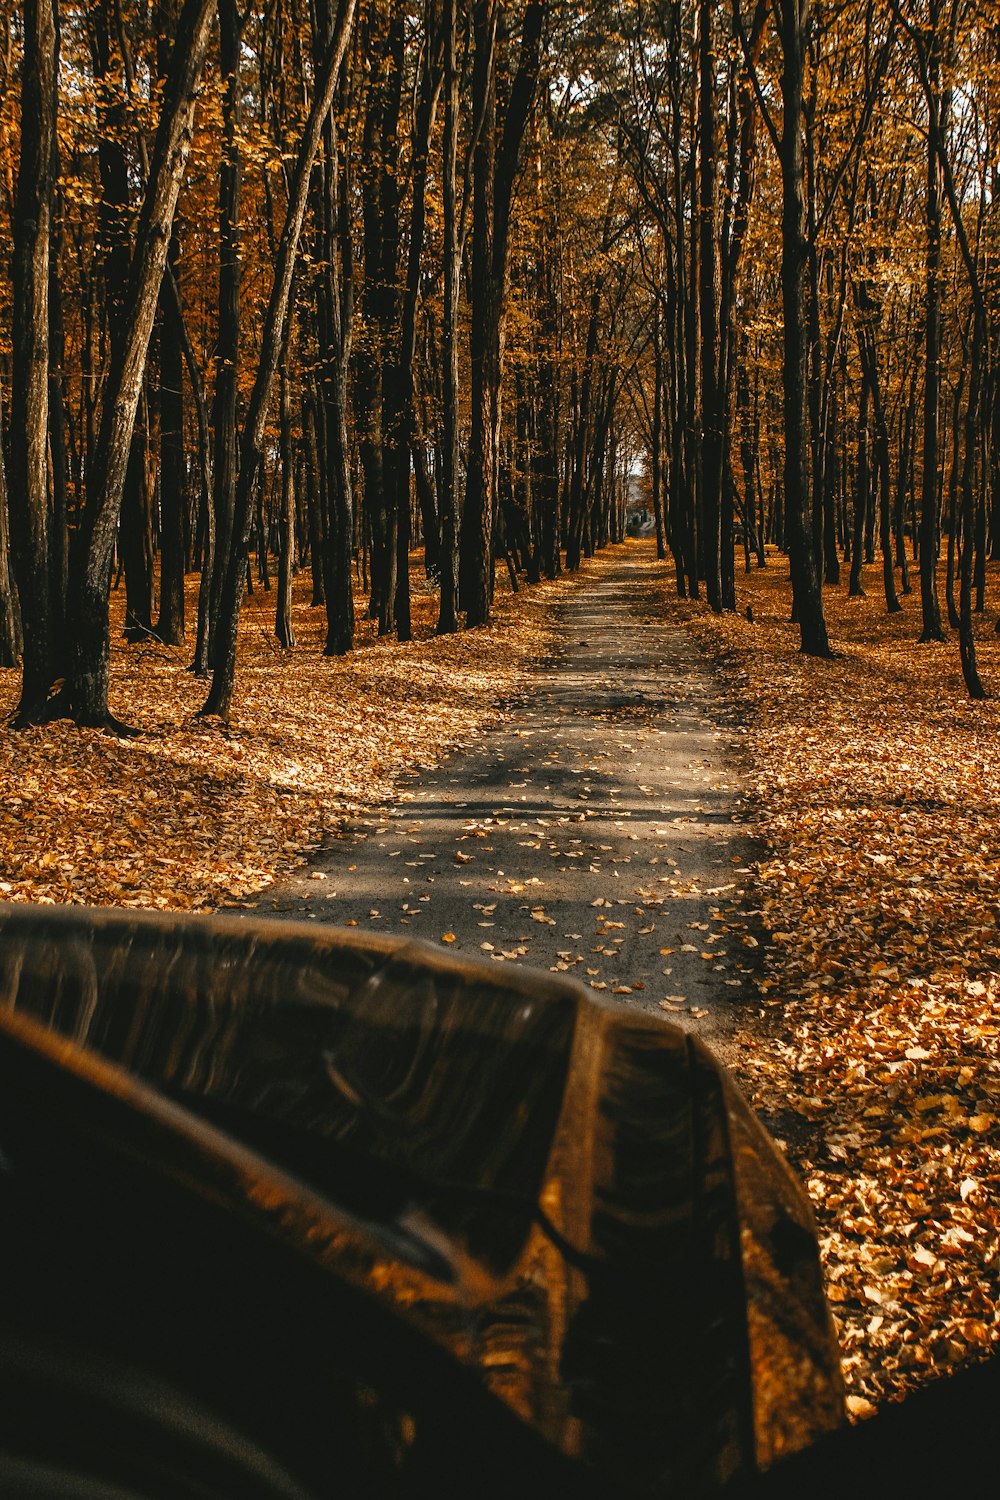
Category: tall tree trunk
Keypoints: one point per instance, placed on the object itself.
(170, 625)
(930, 513)
(545, 456)
(495, 170)
(741, 156)
(448, 500)
(376, 395)
(173, 497)
(113, 241)
(88, 678)
(806, 587)
(225, 413)
(29, 405)
(329, 441)
(58, 457)
(973, 412)
(476, 534)
(709, 291)
(206, 517)
(272, 339)
(692, 309)
(404, 431)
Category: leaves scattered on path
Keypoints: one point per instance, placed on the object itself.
(877, 788)
(194, 813)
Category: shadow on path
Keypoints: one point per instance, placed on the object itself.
(593, 834)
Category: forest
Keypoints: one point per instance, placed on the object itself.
(349, 287)
(341, 342)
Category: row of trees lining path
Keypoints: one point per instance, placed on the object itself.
(305, 284)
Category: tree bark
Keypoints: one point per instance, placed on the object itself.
(806, 587)
(862, 493)
(90, 658)
(930, 505)
(403, 432)
(113, 240)
(170, 624)
(448, 499)
(225, 414)
(709, 291)
(331, 502)
(330, 441)
(10, 614)
(29, 404)
(495, 170)
(283, 627)
(476, 532)
(252, 439)
(376, 395)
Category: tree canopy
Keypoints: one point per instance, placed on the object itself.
(327, 285)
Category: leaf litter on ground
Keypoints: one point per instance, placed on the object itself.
(875, 790)
(194, 813)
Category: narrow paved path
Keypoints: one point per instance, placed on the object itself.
(592, 834)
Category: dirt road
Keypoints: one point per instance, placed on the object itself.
(593, 833)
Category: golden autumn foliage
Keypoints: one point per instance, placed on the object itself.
(193, 814)
(876, 793)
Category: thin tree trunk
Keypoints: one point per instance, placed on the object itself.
(252, 440)
(476, 532)
(59, 522)
(656, 435)
(405, 427)
(329, 442)
(448, 500)
(862, 493)
(930, 513)
(495, 169)
(376, 397)
(170, 625)
(225, 414)
(709, 291)
(806, 587)
(283, 627)
(10, 614)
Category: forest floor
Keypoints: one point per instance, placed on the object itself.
(195, 814)
(876, 784)
(834, 935)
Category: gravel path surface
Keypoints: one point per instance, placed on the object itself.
(594, 833)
